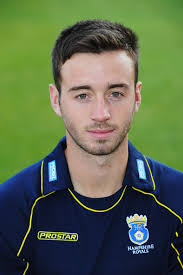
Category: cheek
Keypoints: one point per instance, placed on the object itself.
(73, 109)
(124, 109)
(71, 115)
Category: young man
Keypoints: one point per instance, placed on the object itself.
(95, 205)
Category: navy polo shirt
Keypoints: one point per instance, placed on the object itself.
(48, 228)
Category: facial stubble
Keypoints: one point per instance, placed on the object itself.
(102, 149)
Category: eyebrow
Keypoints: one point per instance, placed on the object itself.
(82, 87)
(87, 87)
(118, 85)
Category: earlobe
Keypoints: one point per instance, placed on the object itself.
(54, 99)
(138, 95)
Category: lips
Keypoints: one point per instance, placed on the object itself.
(101, 133)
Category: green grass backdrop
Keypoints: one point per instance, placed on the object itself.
(30, 129)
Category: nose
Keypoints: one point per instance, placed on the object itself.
(100, 111)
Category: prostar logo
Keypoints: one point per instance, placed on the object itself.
(57, 236)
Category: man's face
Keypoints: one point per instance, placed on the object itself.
(98, 100)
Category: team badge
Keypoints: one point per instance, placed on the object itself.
(138, 232)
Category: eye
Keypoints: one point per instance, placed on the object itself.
(82, 96)
(116, 94)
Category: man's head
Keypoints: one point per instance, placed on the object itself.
(93, 36)
(95, 66)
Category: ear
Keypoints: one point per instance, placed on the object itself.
(138, 95)
(54, 98)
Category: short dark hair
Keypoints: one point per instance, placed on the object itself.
(93, 36)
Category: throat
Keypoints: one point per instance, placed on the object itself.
(97, 188)
(97, 176)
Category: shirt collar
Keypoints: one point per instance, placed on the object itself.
(138, 173)
(56, 173)
(56, 163)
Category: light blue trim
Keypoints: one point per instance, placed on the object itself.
(52, 171)
(141, 169)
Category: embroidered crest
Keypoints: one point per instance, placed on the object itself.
(138, 232)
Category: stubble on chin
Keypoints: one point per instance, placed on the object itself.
(100, 147)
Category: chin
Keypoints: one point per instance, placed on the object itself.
(101, 150)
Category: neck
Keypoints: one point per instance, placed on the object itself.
(96, 176)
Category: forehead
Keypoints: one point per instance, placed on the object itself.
(91, 67)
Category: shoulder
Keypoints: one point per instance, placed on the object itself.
(168, 185)
(25, 184)
(17, 196)
(165, 176)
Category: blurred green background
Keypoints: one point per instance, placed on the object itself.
(29, 127)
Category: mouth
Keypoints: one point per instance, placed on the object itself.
(101, 133)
